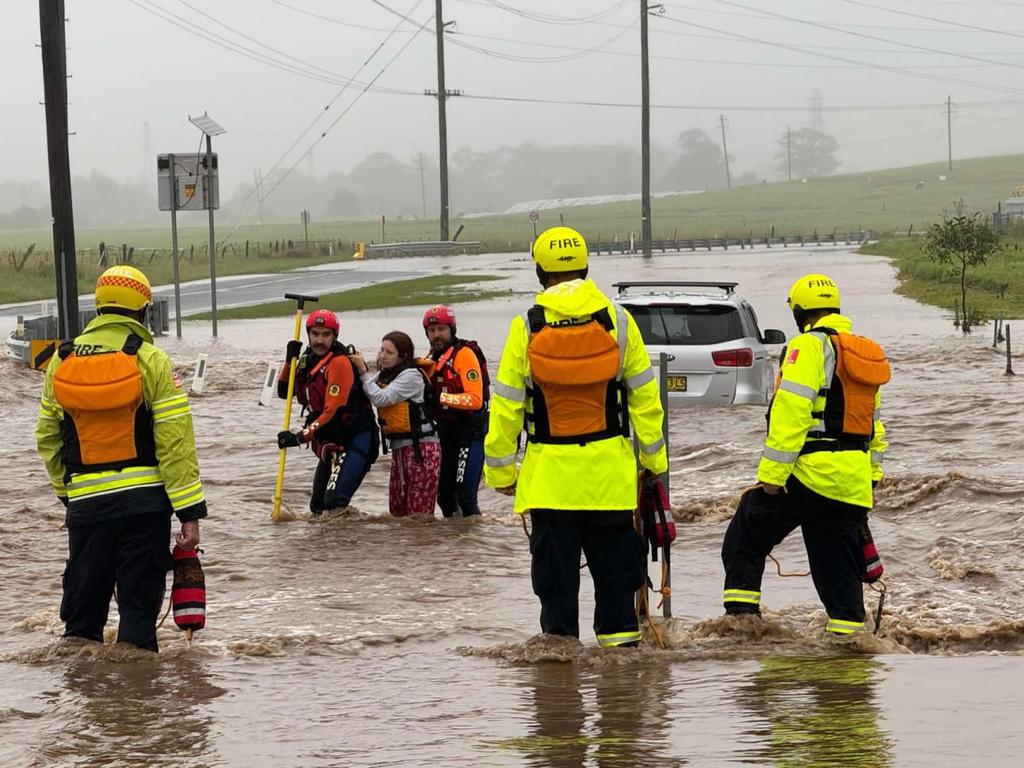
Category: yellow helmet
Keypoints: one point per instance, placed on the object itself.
(123, 286)
(560, 249)
(814, 292)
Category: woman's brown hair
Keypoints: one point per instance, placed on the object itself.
(406, 356)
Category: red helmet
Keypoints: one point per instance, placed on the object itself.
(439, 315)
(323, 318)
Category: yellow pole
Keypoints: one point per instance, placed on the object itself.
(276, 515)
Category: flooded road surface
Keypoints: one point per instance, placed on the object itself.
(360, 640)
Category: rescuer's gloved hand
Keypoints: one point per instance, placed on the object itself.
(294, 349)
(287, 439)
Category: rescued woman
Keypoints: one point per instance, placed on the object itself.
(398, 391)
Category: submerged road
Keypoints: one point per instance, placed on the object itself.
(246, 290)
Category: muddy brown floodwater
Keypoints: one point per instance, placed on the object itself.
(360, 640)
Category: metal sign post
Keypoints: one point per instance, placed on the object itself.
(182, 186)
(210, 128)
(174, 254)
(534, 218)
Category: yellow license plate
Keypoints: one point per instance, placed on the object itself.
(676, 383)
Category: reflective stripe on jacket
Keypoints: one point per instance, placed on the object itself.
(597, 475)
(805, 374)
(175, 479)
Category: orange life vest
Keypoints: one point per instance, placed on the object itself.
(576, 378)
(106, 424)
(406, 419)
(861, 368)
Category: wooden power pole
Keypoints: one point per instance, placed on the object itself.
(725, 153)
(55, 92)
(645, 136)
(442, 119)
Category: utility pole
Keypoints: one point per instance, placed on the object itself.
(423, 188)
(55, 90)
(442, 118)
(789, 154)
(725, 152)
(258, 183)
(645, 136)
(949, 130)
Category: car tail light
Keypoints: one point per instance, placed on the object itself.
(734, 358)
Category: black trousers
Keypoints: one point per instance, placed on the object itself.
(832, 537)
(131, 553)
(462, 464)
(616, 556)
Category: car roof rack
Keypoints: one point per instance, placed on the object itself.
(729, 288)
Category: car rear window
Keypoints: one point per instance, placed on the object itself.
(685, 324)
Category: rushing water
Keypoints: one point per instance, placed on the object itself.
(364, 640)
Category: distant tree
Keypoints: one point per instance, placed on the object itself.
(699, 165)
(746, 179)
(962, 241)
(813, 153)
(343, 204)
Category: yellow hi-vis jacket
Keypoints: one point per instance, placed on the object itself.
(596, 475)
(122, 492)
(805, 376)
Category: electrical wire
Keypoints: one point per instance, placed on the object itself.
(722, 37)
(453, 38)
(881, 67)
(876, 38)
(578, 54)
(351, 24)
(547, 18)
(249, 53)
(973, 27)
(367, 87)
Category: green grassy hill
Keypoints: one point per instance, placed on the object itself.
(883, 201)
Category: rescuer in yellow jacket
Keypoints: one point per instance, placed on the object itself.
(115, 434)
(575, 374)
(822, 455)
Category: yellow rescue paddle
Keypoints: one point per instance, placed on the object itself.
(301, 299)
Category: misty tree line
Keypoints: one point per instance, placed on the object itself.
(489, 181)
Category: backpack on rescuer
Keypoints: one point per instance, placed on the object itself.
(849, 416)
(576, 379)
(106, 424)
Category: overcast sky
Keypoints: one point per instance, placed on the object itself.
(266, 69)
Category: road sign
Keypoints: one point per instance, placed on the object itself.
(534, 216)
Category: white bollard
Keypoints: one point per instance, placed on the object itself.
(199, 378)
(269, 385)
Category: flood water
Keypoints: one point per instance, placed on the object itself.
(360, 640)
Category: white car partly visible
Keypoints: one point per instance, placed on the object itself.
(717, 354)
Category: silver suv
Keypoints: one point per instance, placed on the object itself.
(716, 352)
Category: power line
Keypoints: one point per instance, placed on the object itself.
(548, 18)
(692, 60)
(321, 16)
(366, 87)
(883, 67)
(579, 54)
(758, 15)
(876, 38)
(249, 53)
(723, 36)
(973, 27)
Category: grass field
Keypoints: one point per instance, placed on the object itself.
(887, 201)
(443, 289)
(993, 290)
